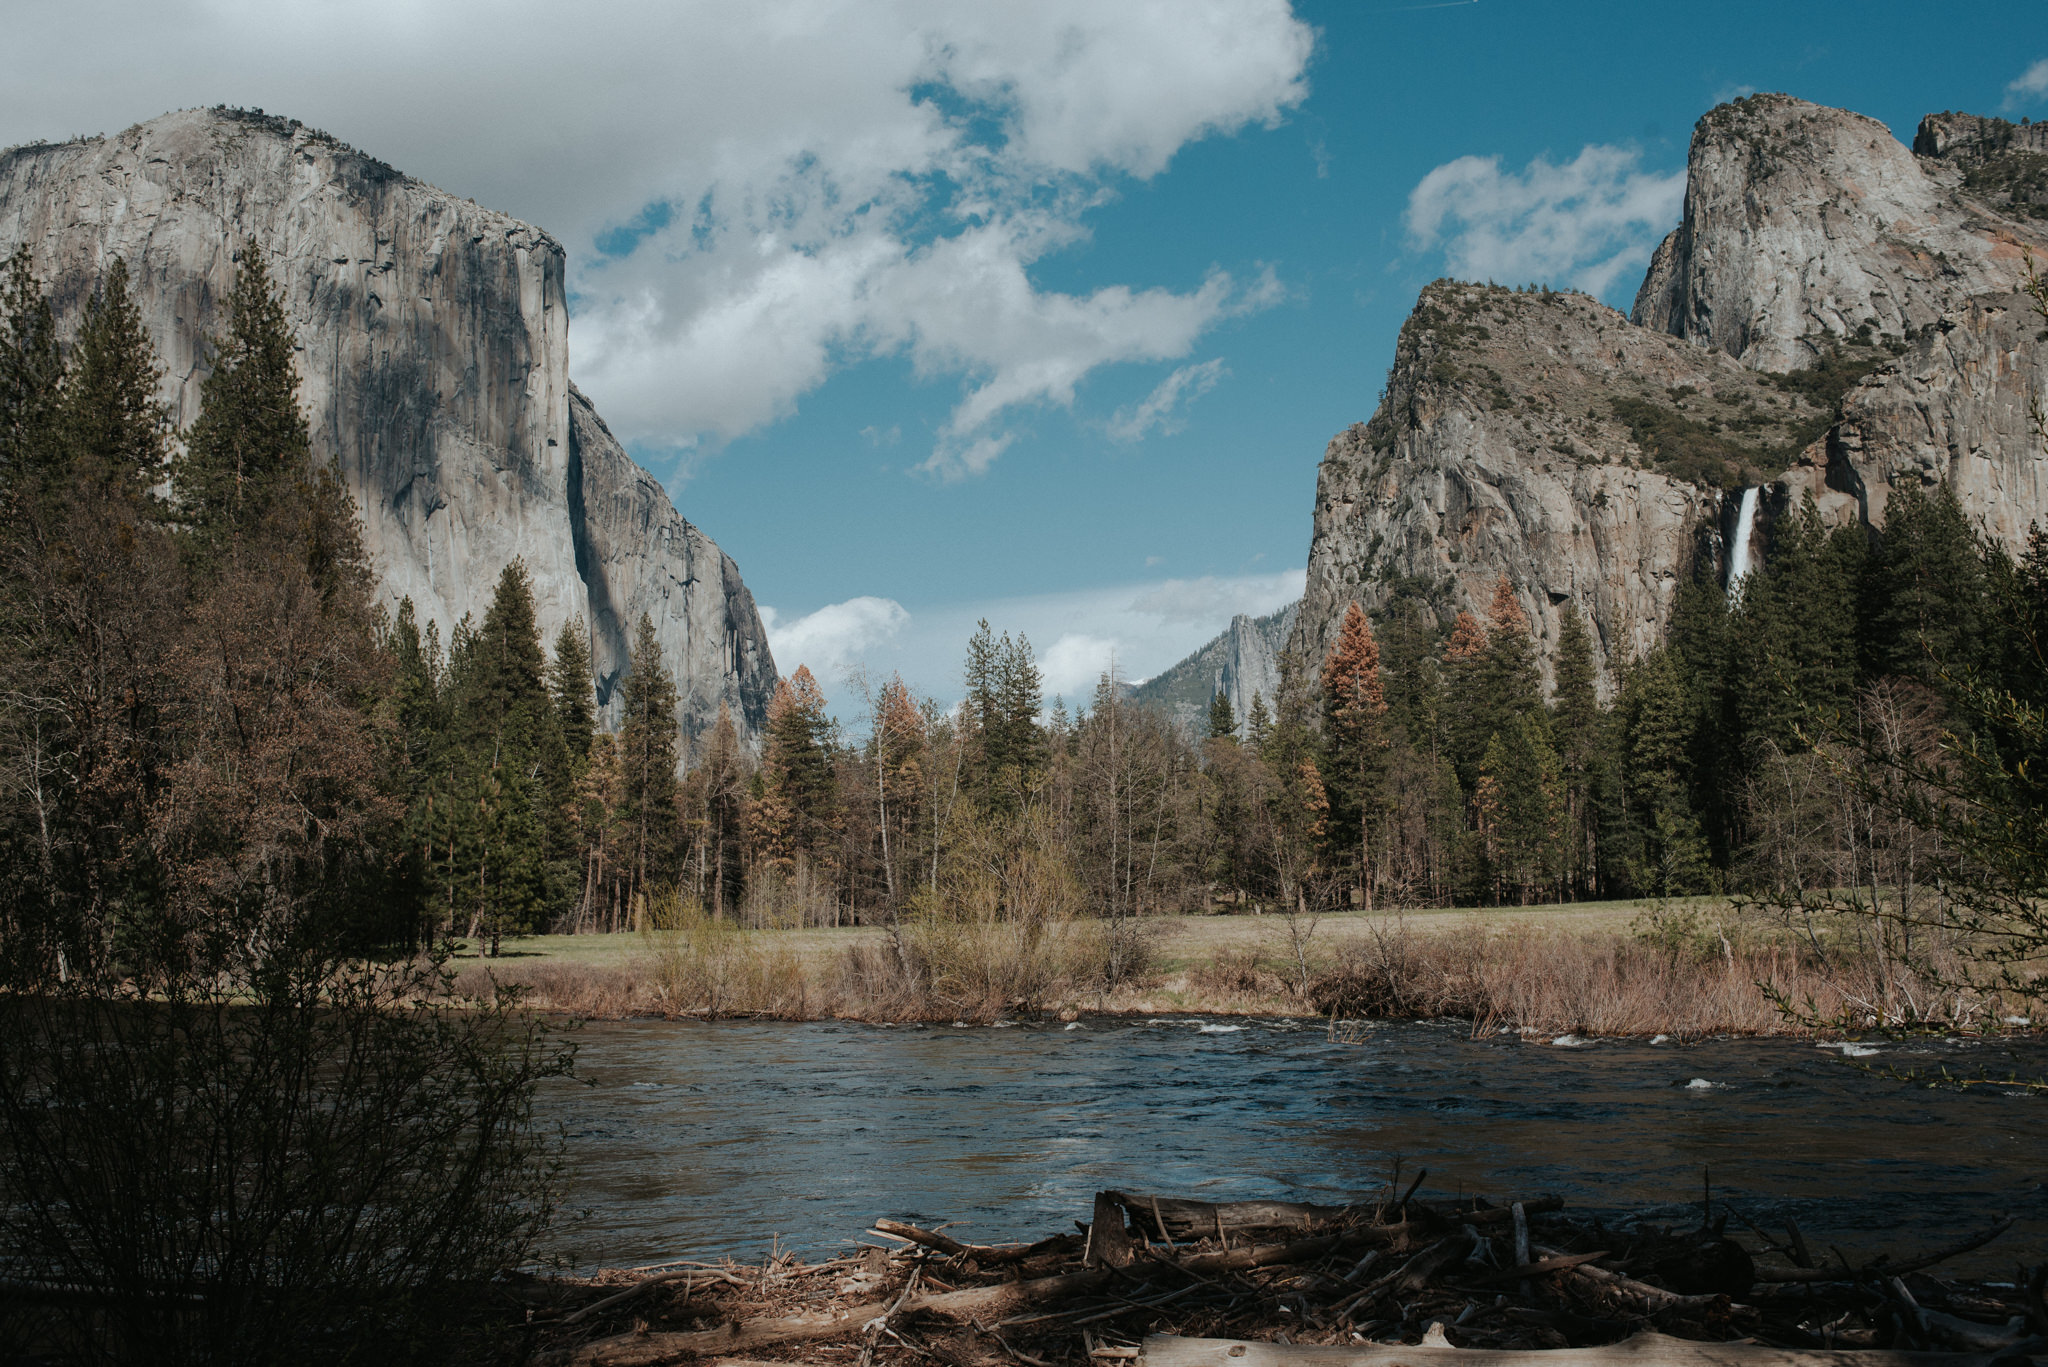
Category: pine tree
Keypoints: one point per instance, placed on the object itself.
(1222, 717)
(1258, 723)
(569, 684)
(1513, 687)
(1576, 723)
(1355, 742)
(717, 797)
(647, 761)
(1663, 847)
(794, 817)
(1519, 807)
(1924, 589)
(1468, 717)
(115, 425)
(250, 443)
(32, 387)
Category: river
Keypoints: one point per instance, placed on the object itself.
(692, 1140)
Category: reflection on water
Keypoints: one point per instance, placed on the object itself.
(695, 1139)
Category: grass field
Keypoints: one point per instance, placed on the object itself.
(1178, 942)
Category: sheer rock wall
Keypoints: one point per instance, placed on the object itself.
(434, 363)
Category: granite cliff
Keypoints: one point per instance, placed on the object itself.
(1835, 313)
(434, 363)
(1241, 663)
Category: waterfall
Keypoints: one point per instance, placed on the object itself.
(1738, 549)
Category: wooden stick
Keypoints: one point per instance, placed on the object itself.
(644, 1284)
(1654, 1296)
(985, 1254)
(1822, 1274)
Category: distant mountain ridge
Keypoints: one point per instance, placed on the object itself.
(1242, 662)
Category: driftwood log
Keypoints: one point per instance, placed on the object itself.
(1394, 1269)
(1643, 1350)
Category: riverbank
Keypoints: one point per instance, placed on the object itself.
(1155, 1278)
(1684, 968)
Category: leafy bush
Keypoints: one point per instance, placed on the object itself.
(317, 1162)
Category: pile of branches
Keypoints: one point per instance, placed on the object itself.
(1466, 1274)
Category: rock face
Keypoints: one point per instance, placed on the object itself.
(1545, 437)
(434, 364)
(1804, 224)
(1835, 314)
(1242, 663)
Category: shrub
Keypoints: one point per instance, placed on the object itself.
(311, 1162)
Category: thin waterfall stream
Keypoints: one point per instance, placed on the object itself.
(1738, 547)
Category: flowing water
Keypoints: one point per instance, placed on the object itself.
(689, 1140)
(1738, 547)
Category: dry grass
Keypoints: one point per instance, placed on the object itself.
(1686, 970)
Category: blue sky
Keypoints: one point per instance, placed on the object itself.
(1043, 312)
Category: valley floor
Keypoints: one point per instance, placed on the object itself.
(1685, 968)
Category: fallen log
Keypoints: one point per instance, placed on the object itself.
(988, 1255)
(1881, 1268)
(1199, 1219)
(1643, 1350)
(982, 1302)
(991, 1302)
(1177, 1217)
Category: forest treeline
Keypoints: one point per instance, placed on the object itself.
(209, 723)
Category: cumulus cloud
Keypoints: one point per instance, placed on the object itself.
(834, 636)
(1217, 597)
(1581, 223)
(1164, 408)
(778, 188)
(1146, 627)
(1071, 665)
(2031, 86)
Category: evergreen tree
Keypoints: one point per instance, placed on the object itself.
(717, 796)
(1222, 717)
(1512, 685)
(1924, 589)
(1793, 637)
(1662, 846)
(1355, 743)
(32, 385)
(569, 684)
(1468, 717)
(1414, 676)
(114, 423)
(1576, 723)
(1258, 723)
(794, 817)
(250, 443)
(1519, 806)
(647, 761)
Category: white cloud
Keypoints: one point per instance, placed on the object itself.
(1162, 410)
(1071, 666)
(1213, 597)
(834, 636)
(1148, 626)
(811, 181)
(2032, 85)
(1581, 223)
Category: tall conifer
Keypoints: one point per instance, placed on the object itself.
(32, 384)
(250, 441)
(1355, 742)
(647, 760)
(117, 427)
